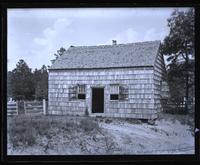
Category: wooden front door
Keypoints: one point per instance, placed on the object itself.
(97, 100)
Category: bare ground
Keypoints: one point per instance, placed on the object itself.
(62, 135)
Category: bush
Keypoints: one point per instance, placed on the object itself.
(175, 110)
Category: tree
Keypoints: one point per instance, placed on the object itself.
(179, 44)
(59, 53)
(21, 82)
(9, 85)
(41, 83)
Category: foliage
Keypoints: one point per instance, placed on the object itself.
(41, 83)
(9, 85)
(23, 84)
(175, 109)
(180, 40)
(59, 53)
(179, 47)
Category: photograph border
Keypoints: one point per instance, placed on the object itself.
(94, 158)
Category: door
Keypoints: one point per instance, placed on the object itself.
(97, 100)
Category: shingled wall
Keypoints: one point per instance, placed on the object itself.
(158, 77)
(140, 82)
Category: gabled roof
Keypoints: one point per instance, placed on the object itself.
(108, 56)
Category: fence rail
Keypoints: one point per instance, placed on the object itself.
(29, 107)
(12, 108)
(35, 107)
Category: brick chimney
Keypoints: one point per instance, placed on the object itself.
(114, 42)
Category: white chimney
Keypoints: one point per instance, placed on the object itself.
(114, 42)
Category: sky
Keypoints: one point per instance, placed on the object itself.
(34, 35)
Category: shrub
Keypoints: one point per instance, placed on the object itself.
(175, 110)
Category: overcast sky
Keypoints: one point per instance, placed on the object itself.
(36, 34)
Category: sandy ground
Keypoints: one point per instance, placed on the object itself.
(165, 137)
(170, 135)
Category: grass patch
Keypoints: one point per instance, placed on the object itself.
(88, 124)
(25, 131)
(20, 135)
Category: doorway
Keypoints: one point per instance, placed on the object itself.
(97, 100)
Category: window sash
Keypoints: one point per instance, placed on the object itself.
(114, 89)
(123, 95)
(81, 89)
(74, 91)
(114, 97)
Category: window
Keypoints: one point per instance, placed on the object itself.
(73, 92)
(118, 92)
(114, 97)
(114, 92)
(123, 93)
(77, 92)
(81, 91)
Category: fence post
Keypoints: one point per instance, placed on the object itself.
(24, 107)
(17, 108)
(44, 107)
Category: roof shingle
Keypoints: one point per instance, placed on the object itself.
(108, 56)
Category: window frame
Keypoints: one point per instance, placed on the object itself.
(81, 90)
(76, 90)
(122, 92)
(115, 92)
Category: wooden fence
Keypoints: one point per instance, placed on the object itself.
(12, 108)
(35, 107)
(29, 107)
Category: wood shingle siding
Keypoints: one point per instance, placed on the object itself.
(159, 75)
(140, 98)
(136, 68)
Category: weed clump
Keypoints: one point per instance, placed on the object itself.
(86, 112)
(108, 121)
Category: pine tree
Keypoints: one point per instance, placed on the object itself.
(179, 44)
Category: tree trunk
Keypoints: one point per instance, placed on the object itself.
(186, 92)
(186, 83)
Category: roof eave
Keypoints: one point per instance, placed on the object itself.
(101, 68)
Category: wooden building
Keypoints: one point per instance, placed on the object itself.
(118, 80)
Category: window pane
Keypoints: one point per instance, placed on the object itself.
(81, 89)
(114, 97)
(123, 93)
(72, 92)
(114, 89)
(81, 96)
